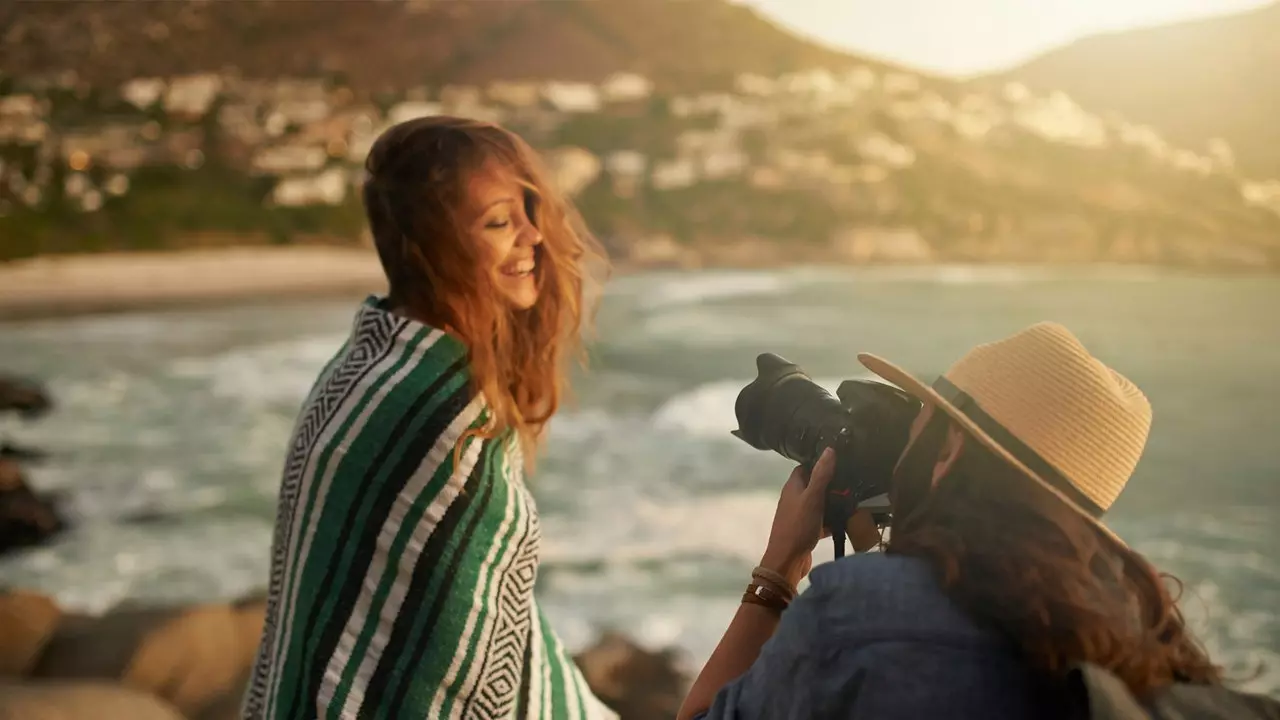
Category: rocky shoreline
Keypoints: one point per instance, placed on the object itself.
(192, 662)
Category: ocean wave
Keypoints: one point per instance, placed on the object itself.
(98, 565)
(703, 287)
(281, 371)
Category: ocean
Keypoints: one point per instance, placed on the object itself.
(170, 430)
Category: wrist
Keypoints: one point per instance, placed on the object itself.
(792, 568)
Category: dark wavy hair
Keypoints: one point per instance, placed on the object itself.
(1020, 560)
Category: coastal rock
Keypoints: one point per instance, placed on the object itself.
(23, 396)
(636, 683)
(74, 701)
(194, 658)
(26, 517)
(21, 453)
(193, 661)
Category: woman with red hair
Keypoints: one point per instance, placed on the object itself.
(406, 546)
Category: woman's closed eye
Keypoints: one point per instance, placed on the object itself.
(498, 224)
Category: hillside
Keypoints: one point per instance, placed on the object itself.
(396, 45)
(1193, 81)
(691, 132)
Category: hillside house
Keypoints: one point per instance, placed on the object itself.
(573, 169)
(572, 97)
(724, 163)
(897, 245)
(288, 158)
(143, 93)
(519, 95)
(884, 150)
(626, 168)
(191, 96)
(326, 188)
(410, 109)
(1058, 118)
(299, 112)
(754, 85)
(1192, 162)
(901, 83)
(1015, 93)
(1264, 194)
(626, 87)
(861, 77)
(673, 174)
(1223, 156)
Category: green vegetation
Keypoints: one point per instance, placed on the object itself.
(172, 207)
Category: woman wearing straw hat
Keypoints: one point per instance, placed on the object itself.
(998, 577)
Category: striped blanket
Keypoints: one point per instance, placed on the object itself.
(402, 586)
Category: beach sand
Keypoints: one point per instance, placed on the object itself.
(81, 284)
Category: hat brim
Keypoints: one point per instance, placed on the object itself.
(912, 386)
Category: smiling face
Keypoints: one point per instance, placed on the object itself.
(501, 219)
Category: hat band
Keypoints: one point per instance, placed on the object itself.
(1015, 447)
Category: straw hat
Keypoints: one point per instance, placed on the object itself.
(1041, 401)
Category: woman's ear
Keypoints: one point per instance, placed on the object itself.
(951, 450)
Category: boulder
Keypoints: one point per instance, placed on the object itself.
(51, 700)
(196, 661)
(196, 658)
(636, 683)
(23, 396)
(21, 453)
(26, 518)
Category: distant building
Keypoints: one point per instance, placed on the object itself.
(1016, 93)
(1264, 194)
(884, 150)
(1058, 118)
(721, 164)
(873, 244)
(568, 97)
(755, 85)
(20, 106)
(900, 83)
(674, 174)
(515, 94)
(626, 87)
(326, 188)
(411, 109)
(1223, 156)
(626, 168)
(285, 159)
(143, 93)
(192, 95)
(573, 169)
(861, 77)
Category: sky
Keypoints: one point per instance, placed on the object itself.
(969, 37)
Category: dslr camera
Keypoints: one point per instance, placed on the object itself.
(867, 424)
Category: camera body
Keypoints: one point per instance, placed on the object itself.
(867, 424)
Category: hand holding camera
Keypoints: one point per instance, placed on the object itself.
(798, 521)
(851, 445)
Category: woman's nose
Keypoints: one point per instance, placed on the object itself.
(529, 235)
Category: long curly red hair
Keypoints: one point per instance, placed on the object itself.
(417, 172)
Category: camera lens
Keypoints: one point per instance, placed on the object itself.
(783, 410)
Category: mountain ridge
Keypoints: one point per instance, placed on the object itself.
(1194, 80)
(433, 42)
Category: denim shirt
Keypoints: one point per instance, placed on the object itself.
(875, 637)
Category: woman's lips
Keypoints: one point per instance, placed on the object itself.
(520, 268)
